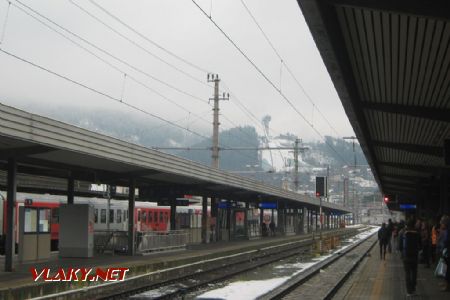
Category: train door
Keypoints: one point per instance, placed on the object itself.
(138, 219)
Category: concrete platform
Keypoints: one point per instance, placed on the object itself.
(20, 282)
(378, 279)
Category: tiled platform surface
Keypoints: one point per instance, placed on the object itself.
(385, 279)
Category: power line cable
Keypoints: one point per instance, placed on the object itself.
(110, 54)
(268, 80)
(104, 94)
(114, 67)
(249, 113)
(177, 121)
(283, 63)
(137, 44)
(113, 98)
(126, 75)
(143, 36)
(152, 54)
(2, 36)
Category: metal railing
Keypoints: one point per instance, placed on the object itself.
(158, 241)
(110, 241)
(114, 241)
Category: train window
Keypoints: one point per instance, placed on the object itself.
(150, 217)
(111, 215)
(161, 217)
(55, 215)
(103, 215)
(166, 216)
(96, 215)
(44, 219)
(139, 215)
(30, 220)
(144, 216)
(119, 216)
(155, 217)
(125, 215)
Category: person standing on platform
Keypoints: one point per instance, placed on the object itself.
(402, 227)
(390, 229)
(434, 239)
(411, 246)
(426, 243)
(383, 240)
(395, 237)
(272, 228)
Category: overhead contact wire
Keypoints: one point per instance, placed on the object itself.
(268, 80)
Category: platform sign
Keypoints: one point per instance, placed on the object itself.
(224, 205)
(407, 206)
(268, 205)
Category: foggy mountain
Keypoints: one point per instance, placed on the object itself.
(275, 167)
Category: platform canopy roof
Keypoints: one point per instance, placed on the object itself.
(45, 147)
(389, 61)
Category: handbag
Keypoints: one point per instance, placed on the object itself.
(441, 268)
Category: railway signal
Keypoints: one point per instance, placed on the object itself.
(320, 186)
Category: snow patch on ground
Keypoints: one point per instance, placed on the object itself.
(255, 288)
(244, 289)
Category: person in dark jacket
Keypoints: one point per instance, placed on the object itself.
(411, 246)
(272, 228)
(383, 236)
(390, 229)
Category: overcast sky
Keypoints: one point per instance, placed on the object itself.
(181, 28)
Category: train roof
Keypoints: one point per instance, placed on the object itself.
(62, 199)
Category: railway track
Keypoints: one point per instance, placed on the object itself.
(324, 279)
(175, 282)
(180, 286)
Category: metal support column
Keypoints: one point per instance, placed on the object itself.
(303, 220)
(70, 190)
(228, 221)
(247, 207)
(215, 210)
(328, 221)
(280, 213)
(261, 219)
(11, 200)
(317, 219)
(204, 219)
(173, 210)
(215, 216)
(131, 235)
(308, 221)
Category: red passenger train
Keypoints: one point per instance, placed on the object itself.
(147, 215)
